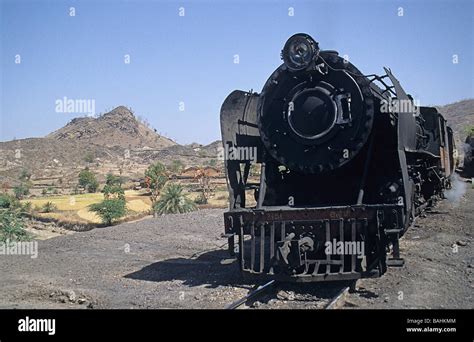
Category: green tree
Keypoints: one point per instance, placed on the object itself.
(7, 201)
(173, 201)
(21, 190)
(176, 166)
(12, 226)
(155, 179)
(88, 181)
(109, 210)
(111, 179)
(113, 187)
(469, 130)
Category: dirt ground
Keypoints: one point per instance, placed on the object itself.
(175, 261)
(439, 264)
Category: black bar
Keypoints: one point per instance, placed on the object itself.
(364, 325)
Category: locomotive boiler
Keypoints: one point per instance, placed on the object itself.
(346, 162)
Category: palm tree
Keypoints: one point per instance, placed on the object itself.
(173, 201)
(155, 179)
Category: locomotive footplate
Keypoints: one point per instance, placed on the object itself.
(313, 244)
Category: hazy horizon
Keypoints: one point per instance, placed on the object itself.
(138, 116)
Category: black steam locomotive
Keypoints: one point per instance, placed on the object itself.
(346, 160)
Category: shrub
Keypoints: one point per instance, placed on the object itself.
(88, 181)
(25, 175)
(200, 199)
(21, 191)
(8, 201)
(109, 210)
(176, 166)
(173, 201)
(27, 207)
(48, 207)
(469, 130)
(12, 226)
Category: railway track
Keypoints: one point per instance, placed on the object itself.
(334, 302)
(252, 294)
(337, 301)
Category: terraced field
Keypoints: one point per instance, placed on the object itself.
(75, 208)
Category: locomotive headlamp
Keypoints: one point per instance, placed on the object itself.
(299, 51)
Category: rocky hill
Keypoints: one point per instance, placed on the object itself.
(115, 142)
(118, 127)
(460, 115)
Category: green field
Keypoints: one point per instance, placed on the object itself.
(74, 208)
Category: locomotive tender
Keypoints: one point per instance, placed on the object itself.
(347, 161)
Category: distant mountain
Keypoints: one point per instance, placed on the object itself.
(460, 115)
(118, 127)
(115, 142)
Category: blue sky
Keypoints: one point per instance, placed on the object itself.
(190, 58)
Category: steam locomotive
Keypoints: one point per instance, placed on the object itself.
(346, 160)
